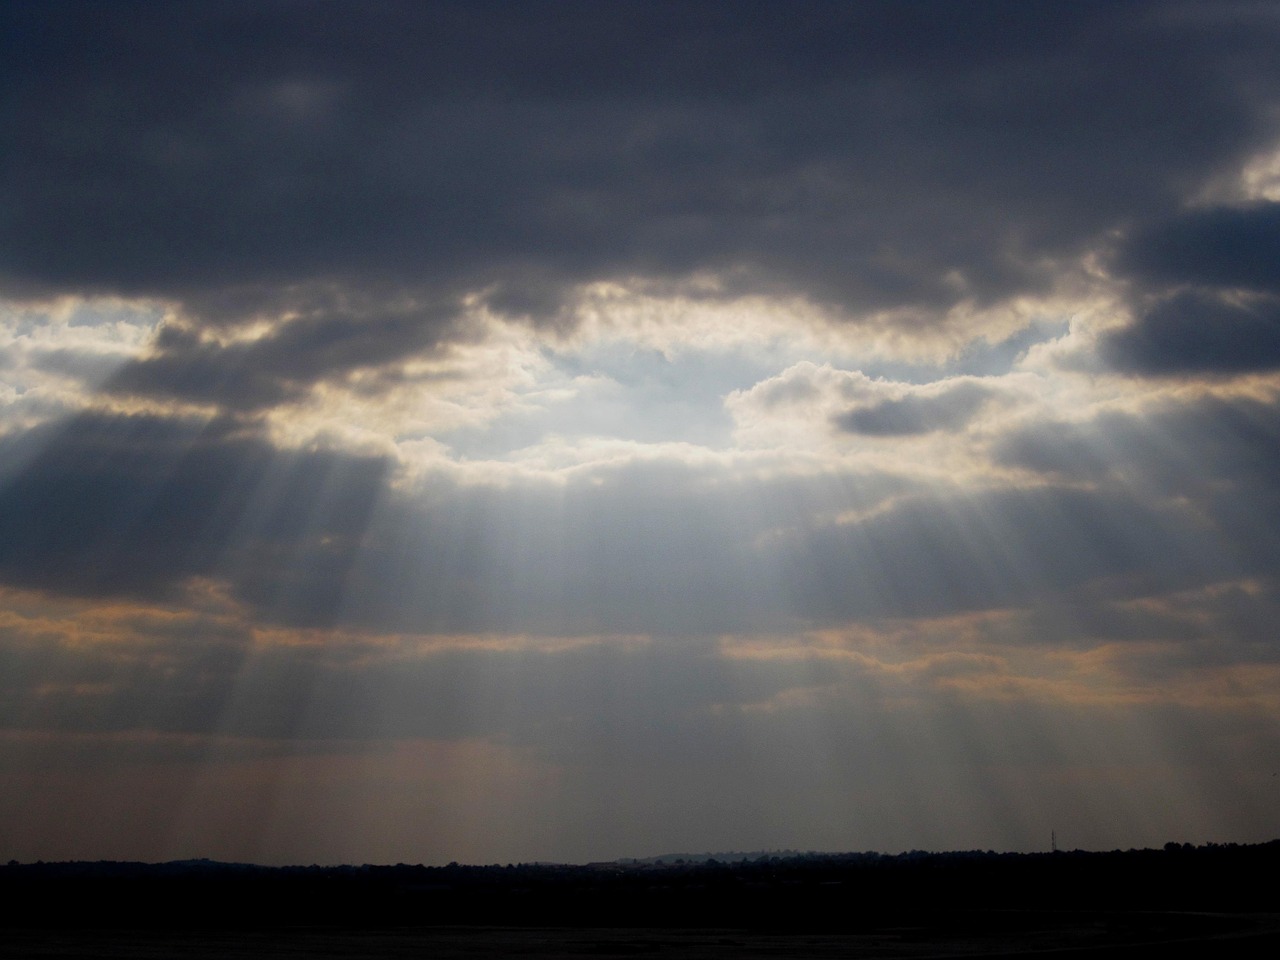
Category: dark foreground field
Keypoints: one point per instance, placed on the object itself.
(1218, 901)
(1168, 936)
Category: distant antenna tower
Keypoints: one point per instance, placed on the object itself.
(1053, 841)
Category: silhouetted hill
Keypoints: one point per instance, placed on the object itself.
(851, 892)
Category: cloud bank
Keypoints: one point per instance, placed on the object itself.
(611, 429)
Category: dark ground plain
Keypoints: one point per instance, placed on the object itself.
(1213, 901)
(1171, 936)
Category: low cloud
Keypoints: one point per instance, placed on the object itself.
(1199, 333)
(136, 504)
(948, 409)
(1221, 314)
(1233, 248)
(278, 366)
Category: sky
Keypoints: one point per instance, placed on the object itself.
(502, 432)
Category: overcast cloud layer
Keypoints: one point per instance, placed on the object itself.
(492, 431)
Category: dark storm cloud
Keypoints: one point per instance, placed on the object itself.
(182, 366)
(1197, 332)
(912, 415)
(135, 505)
(327, 341)
(866, 155)
(1222, 316)
(1225, 247)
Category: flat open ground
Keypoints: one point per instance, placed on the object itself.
(1174, 935)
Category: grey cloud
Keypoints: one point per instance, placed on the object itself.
(1199, 333)
(637, 553)
(868, 155)
(209, 677)
(1218, 459)
(107, 749)
(663, 702)
(865, 155)
(347, 174)
(936, 556)
(915, 414)
(327, 341)
(1178, 449)
(632, 742)
(200, 372)
(1221, 315)
(1226, 247)
(1220, 623)
(136, 505)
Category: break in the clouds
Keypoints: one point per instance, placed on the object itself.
(498, 431)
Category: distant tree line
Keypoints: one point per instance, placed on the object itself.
(851, 892)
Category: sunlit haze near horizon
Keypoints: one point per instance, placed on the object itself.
(499, 432)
